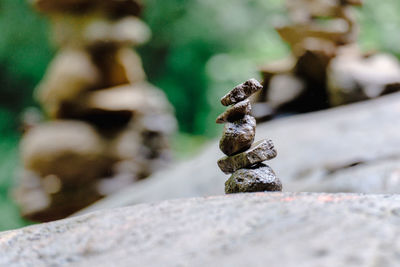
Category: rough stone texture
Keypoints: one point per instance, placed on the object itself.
(353, 148)
(260, 151)
(236, 112)
(238, 136)
(257, 178)
(280, 229)
(241, 92)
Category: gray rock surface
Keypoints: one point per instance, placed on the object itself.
(238, 136)
(241, 92)
(259, 229)
(354, 148)
(257, 178)
(235, 112)
(260, 151)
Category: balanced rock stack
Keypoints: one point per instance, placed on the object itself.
(326, 67)
(244, 159)
(108, 127)
(299, 82)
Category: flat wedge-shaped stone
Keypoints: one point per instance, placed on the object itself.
(236, 112)
(258, 178)
(241, 92)
(238, 136)
(260, 151)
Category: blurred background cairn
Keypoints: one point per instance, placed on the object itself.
(107, 126)
(326, 67)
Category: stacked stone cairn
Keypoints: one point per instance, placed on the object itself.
(326, 67)
(244, 160)
(106, 127)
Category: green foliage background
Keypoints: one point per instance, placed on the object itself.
(199, 50)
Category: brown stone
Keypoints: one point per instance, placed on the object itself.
(313, 60)
(74, 6)
(140, 97)
(282, 66)
(131, 64)
(241, 92)
(114, 8)
(71, 150)
(42, 200)
(71, 73)
(95, 30)
(258, 178)
(261, 151)
(121, 8)
(302, 11)
(238, 136)
(353, 2)
(118, 66)
(236, 112)
(335, 31)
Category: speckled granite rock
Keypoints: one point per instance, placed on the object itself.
(281, 229)
(257, 178)
(260, 151)
(238, 136)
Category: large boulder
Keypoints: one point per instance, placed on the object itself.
(354, 148)
(260, 229)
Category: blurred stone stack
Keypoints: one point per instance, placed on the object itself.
(326, 67)
(107, 126)
(244, 159)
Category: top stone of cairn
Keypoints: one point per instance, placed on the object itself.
(241, 92)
